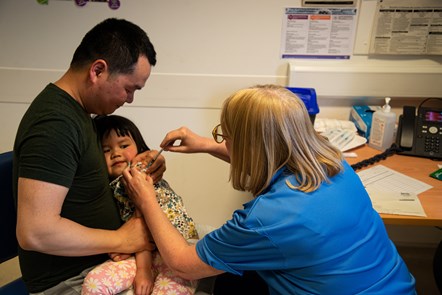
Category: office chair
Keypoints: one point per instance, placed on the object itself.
(9, 244)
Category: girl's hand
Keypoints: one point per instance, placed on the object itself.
(119, 256)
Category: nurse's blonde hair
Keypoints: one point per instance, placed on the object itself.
(268, 127)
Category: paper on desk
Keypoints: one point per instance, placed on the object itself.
(387, 187)
(386, 179)
(396, 203)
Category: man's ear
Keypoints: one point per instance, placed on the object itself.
(97, 68)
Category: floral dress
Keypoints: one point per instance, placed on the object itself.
(171, 203)
(114, 277)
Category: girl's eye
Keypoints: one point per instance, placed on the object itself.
(106, 150)
(123, 146)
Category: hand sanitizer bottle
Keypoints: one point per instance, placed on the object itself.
(382, 127)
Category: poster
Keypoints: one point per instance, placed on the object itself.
(412, 27)
(318, 33)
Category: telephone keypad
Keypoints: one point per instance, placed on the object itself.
(425, 139)
(432, 144)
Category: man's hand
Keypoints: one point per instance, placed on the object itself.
(158, 167)
(135, 236)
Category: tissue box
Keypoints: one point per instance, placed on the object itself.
(362, 115)
(308, 96)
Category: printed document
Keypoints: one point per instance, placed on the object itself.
(312, 32)
(392, 192)
(407, 27)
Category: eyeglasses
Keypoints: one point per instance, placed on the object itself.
(217, 134)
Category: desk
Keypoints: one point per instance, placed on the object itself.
(418, 168)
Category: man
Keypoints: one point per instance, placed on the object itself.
(67, 220)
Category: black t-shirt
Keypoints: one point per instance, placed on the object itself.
(57, 143)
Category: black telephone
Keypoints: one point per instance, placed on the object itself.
(420, 135)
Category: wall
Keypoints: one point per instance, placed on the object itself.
(206, 50)
(201, 59)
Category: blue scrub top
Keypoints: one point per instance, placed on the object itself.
(330, 241)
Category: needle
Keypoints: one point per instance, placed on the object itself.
(144, 170)
(153, 160)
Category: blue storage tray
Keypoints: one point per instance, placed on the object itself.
(308, 96)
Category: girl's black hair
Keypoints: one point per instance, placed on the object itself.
(123, 127)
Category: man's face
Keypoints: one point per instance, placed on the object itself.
(113, 91)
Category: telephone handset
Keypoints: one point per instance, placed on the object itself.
(420, 135)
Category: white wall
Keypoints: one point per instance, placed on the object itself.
(206, 50)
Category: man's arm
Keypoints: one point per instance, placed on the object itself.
(40, 227)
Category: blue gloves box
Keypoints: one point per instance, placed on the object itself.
(362, 115)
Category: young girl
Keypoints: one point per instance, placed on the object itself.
(121, 141)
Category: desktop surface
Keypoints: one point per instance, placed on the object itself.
(415, 167)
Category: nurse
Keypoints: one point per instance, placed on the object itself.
(310, 228)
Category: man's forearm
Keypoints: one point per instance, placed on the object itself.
(67, 238)
(41, 228)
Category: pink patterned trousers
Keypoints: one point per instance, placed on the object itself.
(114, 277)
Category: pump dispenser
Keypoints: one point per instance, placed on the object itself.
(382, 127)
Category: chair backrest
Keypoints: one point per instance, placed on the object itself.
(8, 216)
(8, 223)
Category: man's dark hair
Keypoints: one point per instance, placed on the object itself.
(123, 127)
(117, 41)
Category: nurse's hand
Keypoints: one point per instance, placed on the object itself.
(139, 187)
(184, 140)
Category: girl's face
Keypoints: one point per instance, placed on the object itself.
(118, 151)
